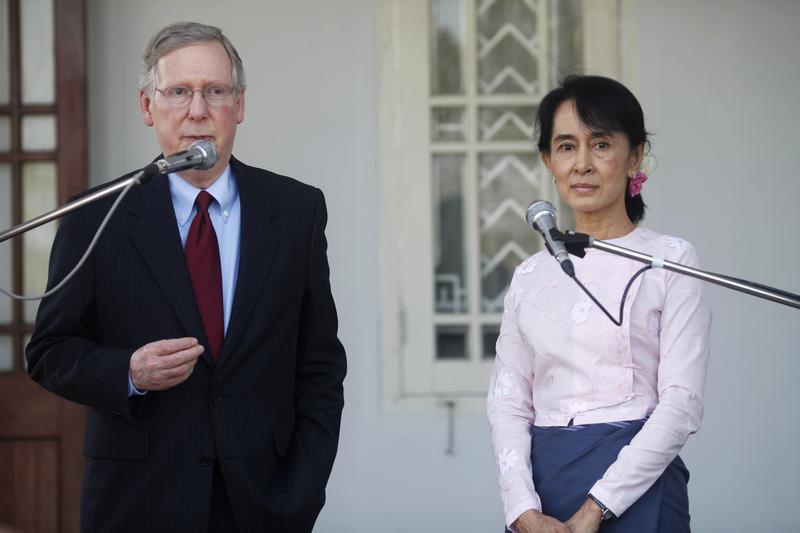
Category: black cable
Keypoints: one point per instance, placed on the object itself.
(624, 295)
(85, 256)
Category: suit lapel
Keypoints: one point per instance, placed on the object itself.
(157, 239)
(258, 245)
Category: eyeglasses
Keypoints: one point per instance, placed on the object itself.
(180, 96)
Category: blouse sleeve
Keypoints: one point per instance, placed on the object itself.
(510, 413)
(684, 349)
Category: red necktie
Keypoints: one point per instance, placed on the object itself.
(202, 260)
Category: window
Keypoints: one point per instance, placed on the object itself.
(461, 80)
(43, 161)
(42, 148)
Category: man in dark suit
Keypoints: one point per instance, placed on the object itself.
(202, 331)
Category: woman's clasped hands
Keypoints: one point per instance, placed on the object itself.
(585, 520)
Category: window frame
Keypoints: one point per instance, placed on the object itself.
(413, 379)
(70, 155)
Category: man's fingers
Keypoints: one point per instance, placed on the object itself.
(163, 379)
(171, 346)
(178, 374)
(163, 364)
(180, 358)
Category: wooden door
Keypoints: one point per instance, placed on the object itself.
(43, 161)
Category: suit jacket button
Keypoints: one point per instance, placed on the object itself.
(216, 398)
(205, 461)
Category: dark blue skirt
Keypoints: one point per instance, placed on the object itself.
(567, 462)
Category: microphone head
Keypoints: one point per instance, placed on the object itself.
(207, 151)
(537, 210)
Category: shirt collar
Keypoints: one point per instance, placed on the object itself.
(183, 193)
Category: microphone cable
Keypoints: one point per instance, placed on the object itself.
(624, 295)
(88, 251)
(576, 244)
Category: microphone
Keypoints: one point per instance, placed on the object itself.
(201, 155)
(541, 216)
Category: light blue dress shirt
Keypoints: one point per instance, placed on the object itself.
(226, 216)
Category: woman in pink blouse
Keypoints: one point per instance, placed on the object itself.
(587, 418)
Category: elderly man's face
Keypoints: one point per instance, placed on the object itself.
(195, 67)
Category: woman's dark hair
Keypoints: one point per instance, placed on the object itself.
(602, 104)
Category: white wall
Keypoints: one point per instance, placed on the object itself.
(718, 81)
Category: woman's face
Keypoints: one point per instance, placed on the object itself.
(590, 167)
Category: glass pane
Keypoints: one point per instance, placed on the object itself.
(447, 46)
(5, 134)
(504, 123)
(508, 47)
(5, 247)
(39, 195)
(38, 133)
(449, 227)
(447, 124)
(6, 356)
(5, 68)
(508, 183)
(38, 53)
(489, 336)
(569, 38)
(451, 342)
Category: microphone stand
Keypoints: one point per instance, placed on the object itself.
(201, 155)
(577, 243)
(124, 187)
(139, 178)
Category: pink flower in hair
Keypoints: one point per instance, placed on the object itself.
(636, 183)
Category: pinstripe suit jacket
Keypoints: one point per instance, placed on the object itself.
(269, 410)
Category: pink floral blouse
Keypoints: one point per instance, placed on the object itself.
(560, 359)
